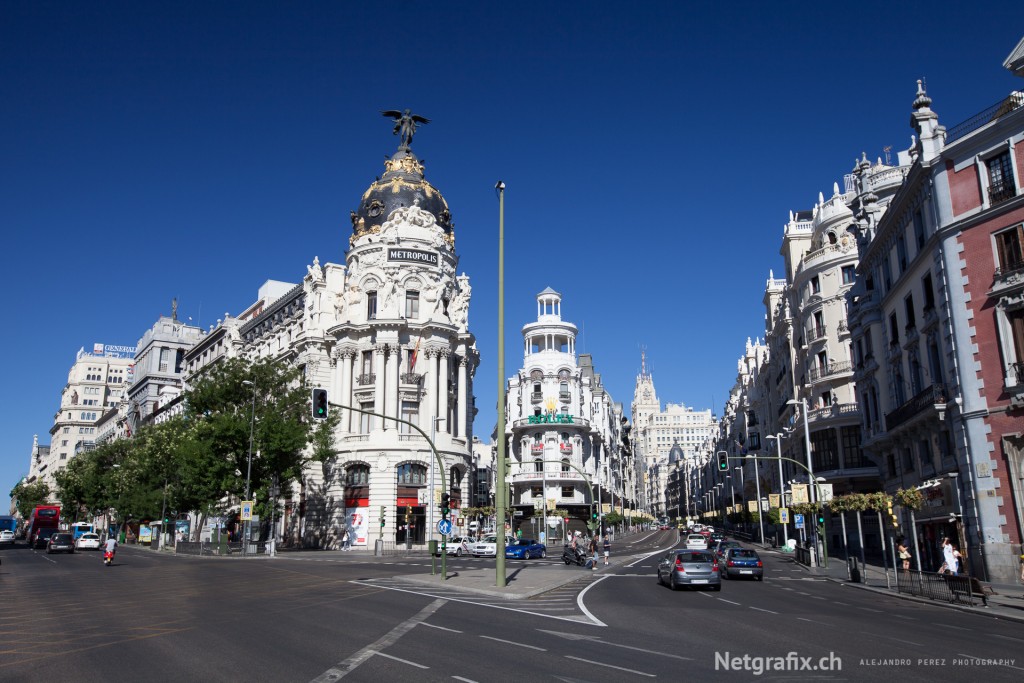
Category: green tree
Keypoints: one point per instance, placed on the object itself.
(27, 496)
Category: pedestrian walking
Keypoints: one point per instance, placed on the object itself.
(949, 562)
(607, 549)
(593, 552)
(904, 552)
(346, 539)
(1022, 568)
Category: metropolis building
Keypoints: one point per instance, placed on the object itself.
(386, 332)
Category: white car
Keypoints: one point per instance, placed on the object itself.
(89, 541)
(6, 536)
(459, 545)
(488, 546)
(696, 542)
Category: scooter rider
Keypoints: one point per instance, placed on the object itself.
(111, 546)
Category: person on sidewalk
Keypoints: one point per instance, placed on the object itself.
(607, 549)
(949, 563)
(904, 551)
(593, 552)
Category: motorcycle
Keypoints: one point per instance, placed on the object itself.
(576, 556)
(108, 557)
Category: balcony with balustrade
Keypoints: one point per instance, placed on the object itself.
(929, 403)
(830, 371)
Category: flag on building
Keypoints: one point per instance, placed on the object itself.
(415, 355)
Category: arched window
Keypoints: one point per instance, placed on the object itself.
(357, 475)
(538, 465)
(565, 464)
(411, 474)
(455, 478)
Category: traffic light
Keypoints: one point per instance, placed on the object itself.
(821, 519)
(723, 461)
(593, 515)
(446, 502)
(320, 404)
(382, 510)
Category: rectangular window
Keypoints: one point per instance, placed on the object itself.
(908, 308)
(824, 448)
(365, 421)
(165, 357)
(371, 305)
(815, 285)
(919, 230)
(908, 459)
(891, 460)
(412, 305)
(367, 364)
(1000, 179)
(1009, 249)
(929, 292)
(411, 413)
(568, 492)
(536, 491)
(849, 274)
(853, 454)
(901, 253)
(894, 330)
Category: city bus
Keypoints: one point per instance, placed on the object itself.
(43, 517)
(9, 523)
(79, 528)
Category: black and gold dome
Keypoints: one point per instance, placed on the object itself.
(402, 185)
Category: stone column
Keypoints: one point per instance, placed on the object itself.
(460, 419)
(391, 386)
(431, 385)
(378, 385)
(347, 357)
(442, 389)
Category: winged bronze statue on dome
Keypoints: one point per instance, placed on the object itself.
(406, 124)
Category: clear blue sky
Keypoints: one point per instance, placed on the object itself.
(651, 151)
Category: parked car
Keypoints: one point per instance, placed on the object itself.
(689, 568)
(6, 536)
(488, 546)
(43, 537)
(696, 542)
(526, 548)
(61, 542)
(723, 546)
(88, 541)
(742, 562)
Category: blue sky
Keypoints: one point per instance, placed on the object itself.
(651, 153)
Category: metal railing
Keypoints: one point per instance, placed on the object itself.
(944, 587)
(928, 398)
(993, 113)
(363, 380)
(223, 549)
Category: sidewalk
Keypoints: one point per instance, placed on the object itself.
(1007, 603)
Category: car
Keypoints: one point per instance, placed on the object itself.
(488, 546)
(664, 527)
(689, 568)
(716, 536)
(525, 548)
(458, 545)
(88, 541)
(742, 562)
(6, 536)
(60, 542)
(723, 546)
(43, 537)
(696, 542)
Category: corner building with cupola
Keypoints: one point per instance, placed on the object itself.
(387, 333)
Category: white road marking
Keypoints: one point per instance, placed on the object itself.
(579, 601)
(512, 642)
(467, 680)
(611, 666)
(730, 602)
(403, 661)
(440, 628)
(342, 669)
(764, 610)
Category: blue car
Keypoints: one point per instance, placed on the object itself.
(526, 548)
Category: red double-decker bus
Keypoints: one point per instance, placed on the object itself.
(43, 517)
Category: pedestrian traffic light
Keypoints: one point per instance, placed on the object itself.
(723, 461)
(320, 404)
(446, 501)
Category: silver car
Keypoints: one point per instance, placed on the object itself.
(689, 568)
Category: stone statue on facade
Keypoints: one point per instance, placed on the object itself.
(459, 308)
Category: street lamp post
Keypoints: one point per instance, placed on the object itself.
(248, 469)
(757, 482)
(782, 484)
(501, 493)
(810, 464)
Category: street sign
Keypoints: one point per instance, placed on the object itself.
(444, 526)
(784, 515)
(517, 513)
(461, 521)
(247, 510)
(799, 519)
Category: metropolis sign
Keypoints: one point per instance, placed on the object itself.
(550, 418)
(413, 256)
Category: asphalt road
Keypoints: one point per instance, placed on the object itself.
(325, 616)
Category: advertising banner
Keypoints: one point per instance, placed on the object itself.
(773, 500)
(357, 521)
(800, 494)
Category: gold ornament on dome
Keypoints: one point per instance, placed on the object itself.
(404, 165)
